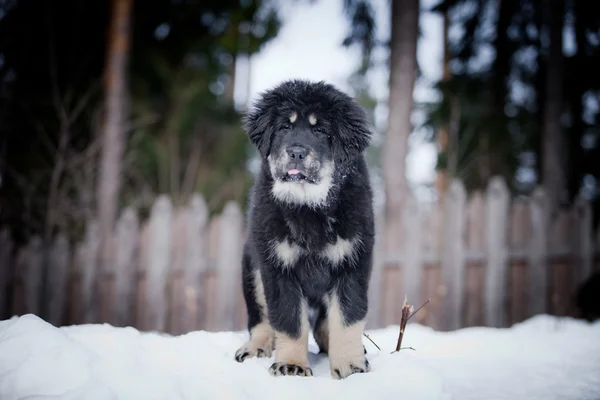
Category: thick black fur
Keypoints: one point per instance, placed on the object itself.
(341, 134)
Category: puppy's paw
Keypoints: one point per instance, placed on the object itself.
(344, 368)
(279, 369)
(251, 349)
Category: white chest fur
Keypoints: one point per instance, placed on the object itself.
(288, 253)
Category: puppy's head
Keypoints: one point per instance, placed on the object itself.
(307, 132)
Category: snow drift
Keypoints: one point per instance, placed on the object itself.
(542, 358)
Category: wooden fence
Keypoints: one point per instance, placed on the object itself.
(486, 260)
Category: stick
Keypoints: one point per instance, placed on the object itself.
(406, 312)
(367, 336)
(406, 315)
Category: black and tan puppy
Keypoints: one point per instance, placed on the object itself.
(311, 229)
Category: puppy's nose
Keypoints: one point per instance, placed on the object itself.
(297, 152)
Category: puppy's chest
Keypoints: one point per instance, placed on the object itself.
(314, 243)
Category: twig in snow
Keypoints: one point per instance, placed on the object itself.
(407, 313)
(424, 304)
(367, 336)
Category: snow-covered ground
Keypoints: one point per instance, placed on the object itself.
(542, 358)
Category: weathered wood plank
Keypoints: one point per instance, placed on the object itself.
(562, 229)
(583, 245)
(475, 255)
(6, 271)
(140, 274)
(538, 253)
(126, 247)
(519, 238)
(58, 279)
(157, 266)
(497, 250)
(453, 257)
(87, 267)
(229, 263)
(175, 286)
(518, 300)
(374, 313)
(20, 275)
(391, 297)
(34, 276)
(196, 261)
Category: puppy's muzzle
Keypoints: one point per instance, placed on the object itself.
(297, 159)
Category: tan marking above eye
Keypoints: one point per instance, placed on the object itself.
(312, 119)
(293, 117)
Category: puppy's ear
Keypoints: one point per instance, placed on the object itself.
(354, 131)
(259, 123)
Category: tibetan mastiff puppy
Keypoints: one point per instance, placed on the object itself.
(310, 229)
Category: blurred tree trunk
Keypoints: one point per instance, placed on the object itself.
(403, 67)
(577, 87)
(553, 178)
(113, 134)
(442, 137)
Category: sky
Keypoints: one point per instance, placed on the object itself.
(309, 46)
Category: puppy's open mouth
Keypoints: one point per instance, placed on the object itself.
(294, 175)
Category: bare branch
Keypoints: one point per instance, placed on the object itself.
(424, 304)
(368, 337)
(83, 101)
(407, 313)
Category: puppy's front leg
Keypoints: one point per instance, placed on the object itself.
(288, 313)
(346, 320)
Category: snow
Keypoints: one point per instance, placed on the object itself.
(542, 358)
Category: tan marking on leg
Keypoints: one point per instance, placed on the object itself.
(346, 352)
(291, 354)
(260, 293)
(292, 350)
(260, 343)
(262, 337)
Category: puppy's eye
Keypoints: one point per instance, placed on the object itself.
(318, 129)
(286, 127)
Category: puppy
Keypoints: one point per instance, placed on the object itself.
(310, 229)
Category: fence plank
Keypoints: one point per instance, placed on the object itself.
(6, 271)
(431, 247)
(157, 266)
(453, 257)
(87, 269)
(19, 277)
(375, 309)
(58, 279)
(33, 281)
(497, 268)
(374, 313)
(195, 262)
(519, 237)
(229, 263)
(126, 247)
(475, 254)
(140, 274)
(583, 242)
(561, 272)
(411, 260)
(175, 289)
(538, 253)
